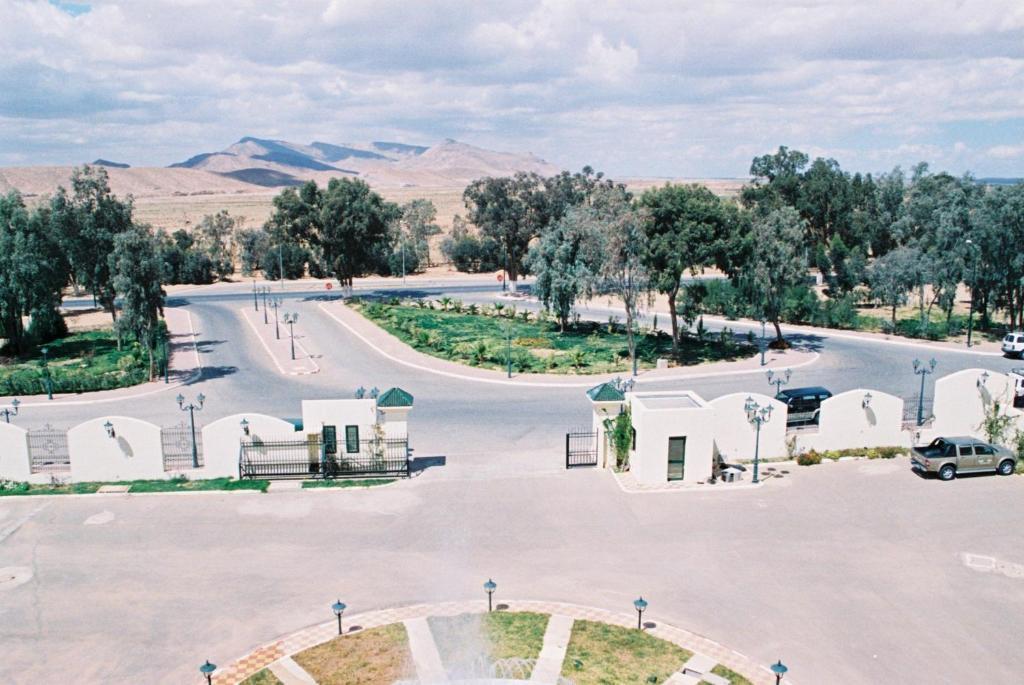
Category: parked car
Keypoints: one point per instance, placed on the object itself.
(1013, 344)
(949, 457)
(803, 404)
(1017, 376)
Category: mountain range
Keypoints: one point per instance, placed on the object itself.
(255, 164)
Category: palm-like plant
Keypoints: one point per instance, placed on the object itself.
(445, 303)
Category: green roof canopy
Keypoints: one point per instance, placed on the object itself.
(395, 397)
(606, 392)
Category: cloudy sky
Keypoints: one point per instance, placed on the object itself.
(648, 88)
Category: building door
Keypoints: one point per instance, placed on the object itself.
(676, 458)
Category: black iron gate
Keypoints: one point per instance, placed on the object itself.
(580, 448)
(176, 442)
(308, 458)
(48, 450)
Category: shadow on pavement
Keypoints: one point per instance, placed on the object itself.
(207, 345)
(806, 342)
(419, 464)
(213, 372)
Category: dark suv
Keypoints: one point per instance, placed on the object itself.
(803, 404)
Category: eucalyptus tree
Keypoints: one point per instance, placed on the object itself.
(892, 276)
(418, 223)
(566, 261)
(999, 235)
(217, 238)
(683, 226)
(136, 270)
(353, 237)
(88, 220)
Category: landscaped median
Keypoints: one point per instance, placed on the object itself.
(495, 336)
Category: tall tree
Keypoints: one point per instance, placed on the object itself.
(893, 275)
(683, 224)
(88, 220)
(566, 261)
(353, 238)
(33, 270)
(773, 262)
(136, 268)
(417, 225)
(512, 211)
(776, 179)
(999, 234)
(217, 237)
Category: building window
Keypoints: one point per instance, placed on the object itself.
(330, 436)
(352, 439)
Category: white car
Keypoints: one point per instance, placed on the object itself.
(1013, 344)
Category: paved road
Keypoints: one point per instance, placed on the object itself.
(485, 427)
(851, 572)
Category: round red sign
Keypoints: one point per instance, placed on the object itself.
(328, 285)
(501, 277)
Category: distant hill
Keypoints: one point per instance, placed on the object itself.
(112, 165)
(380, 163)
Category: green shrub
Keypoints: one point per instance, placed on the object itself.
(808, 458)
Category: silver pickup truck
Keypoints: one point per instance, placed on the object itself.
(949, 457)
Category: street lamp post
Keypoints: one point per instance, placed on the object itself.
(640, 604)
(779, 669)
(757, 415)
(276, 304)
(974, 285)
(922, 370)
(779, 380)
(338, 608)
(290, 319)
(265, 289)
(192, 408)
(255, 296)
(46, 372)
(167, 358)
(762, 342)
(12, 410)
(489, 587)
(207, 670)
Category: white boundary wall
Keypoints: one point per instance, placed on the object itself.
(134, 453)
(845, 422)
(14, 461)
(735, 435)
(222, 441)
(962, 398)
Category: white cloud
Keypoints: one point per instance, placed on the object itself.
(661, 87)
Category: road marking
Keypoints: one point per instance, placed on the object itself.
(14, 525)
(984, 563)
(99, 519)
(256, 332)
(585, 384)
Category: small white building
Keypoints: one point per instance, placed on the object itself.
(673, 437)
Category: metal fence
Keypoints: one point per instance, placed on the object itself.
(307, 458)
(176, 443)
(580, 448)
(910, 411)
(48, 450)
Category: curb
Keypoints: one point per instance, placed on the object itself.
(255, 331)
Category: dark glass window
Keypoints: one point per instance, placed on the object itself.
(330, 434)
(351, 439)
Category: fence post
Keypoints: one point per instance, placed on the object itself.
(567, 435)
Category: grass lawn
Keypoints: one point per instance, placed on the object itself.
(342, 483)
(12, 488)
(369, 657)
(733, 677)
(484, 337)
(264, 677)
(602, 654)
(469, 642)
(80, 362)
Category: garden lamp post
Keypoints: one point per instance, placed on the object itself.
(276, 304)
(640, 604)
(192, 408)
(207, 670)
(45, 363)
(255, 296)
(338, 608)
(508, 349)
(12, 410)
(757, 415)
(763, 322)
(922, 370)
(489, 587)
(290, 319)
(974, 285)
(779, 380)
(779, 669)
(264, 290)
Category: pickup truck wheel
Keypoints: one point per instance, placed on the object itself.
(1006, 467)
(947, 472)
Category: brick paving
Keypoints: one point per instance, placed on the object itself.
(242, 668)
